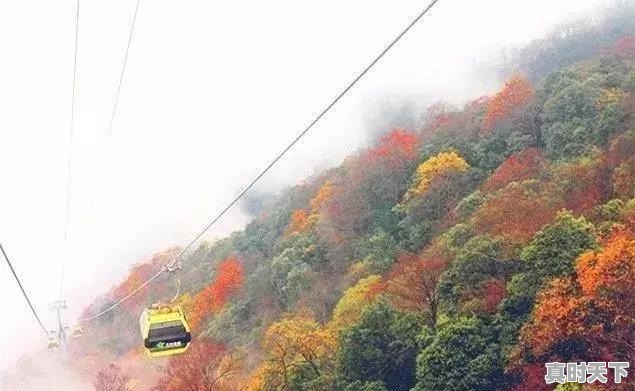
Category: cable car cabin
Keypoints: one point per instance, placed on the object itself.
(77, 332)
(52, 343)
(164, 331)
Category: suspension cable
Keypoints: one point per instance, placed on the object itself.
(26, 297)
(123, 69)
(70, 153)
(268, 167)
(112, 115)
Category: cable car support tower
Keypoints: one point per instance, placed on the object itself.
(59, 306)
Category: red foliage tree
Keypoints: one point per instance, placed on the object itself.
(394, 148)
(411, 284)
(517, 211)
(493, 292)
(516, 93)
(624, 47)
(111, 379)
(378, 177)
(228, 280)
(518, 167)
(205, 367)
(532, 378)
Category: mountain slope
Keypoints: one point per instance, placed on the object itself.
(440, 258)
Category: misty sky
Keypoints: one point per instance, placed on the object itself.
(213, 91)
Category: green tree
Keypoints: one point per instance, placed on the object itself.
(608, 122)
(378, 251)
(469, 204)
(480, 259)
(492, 150)
(567, 139)
(554, 248)
(581, 109)
(381, 347)
(456, 237)
(516, 307)
(292, 269)
(571, 99)
(465, 355)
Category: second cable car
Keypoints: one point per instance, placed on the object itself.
(164, 330)
(52, 340)
(77, 332)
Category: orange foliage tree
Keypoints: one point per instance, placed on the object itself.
(303, 220)
(207, 366)
(591, 313)
(517, 211)
(395, 147)
(411, 284)
(291, 343)
(321, 197)
(518, 167)
(516, 93)
(211, 299)
(299, 222)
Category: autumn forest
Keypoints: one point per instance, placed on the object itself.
(460, 254)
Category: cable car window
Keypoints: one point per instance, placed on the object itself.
(166, 330)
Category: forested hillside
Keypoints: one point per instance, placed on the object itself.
(462, 254)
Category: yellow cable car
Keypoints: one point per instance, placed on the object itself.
(164, 330)
(77, 332)
(52, 341)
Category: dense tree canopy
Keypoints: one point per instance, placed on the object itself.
(464, 355)
(380, 348)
